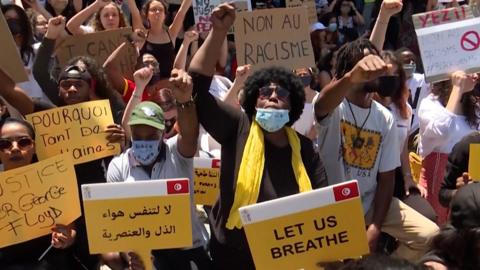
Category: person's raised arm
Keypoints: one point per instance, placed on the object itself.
(187, 119)
(137, 21)
(141, 77)
(41, 73)
(37, 7)
(461, 84)
(367, 69)
(177, 23)
(387, 10)
(14, 96)
(241, 76)
(358, 18)
(181, 58)
(75, 23)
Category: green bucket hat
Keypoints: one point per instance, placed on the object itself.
(147, 113)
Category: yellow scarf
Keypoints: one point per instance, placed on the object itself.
(251, 171)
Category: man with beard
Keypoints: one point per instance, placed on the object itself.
(357, 141)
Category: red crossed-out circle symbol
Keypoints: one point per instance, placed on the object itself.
(470, 41)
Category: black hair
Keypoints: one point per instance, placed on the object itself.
(24, 29)
(350, 54)
(380, 262)
(470, 105)
(281, 76)
(27, 125)
(458, 247)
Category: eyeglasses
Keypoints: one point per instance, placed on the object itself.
(266, 92)
(22, 143)
(68, 84)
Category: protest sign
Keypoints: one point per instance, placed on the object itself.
(99, 45)
(138, 216)
(10, 61)
(474, 162)
(206, 180)
(279, 36)
(299, 231)
(34, 198)
(202, 9)
(309, 4)
(449, 40)
(76, 129)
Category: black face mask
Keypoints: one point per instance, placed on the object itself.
(370, 86)
(306, 80)
(388, 85)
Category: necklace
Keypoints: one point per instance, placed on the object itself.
(358, 140)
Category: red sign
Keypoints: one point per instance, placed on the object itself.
(215, 163)
(177, 186)
(470, 41)
(346, 191)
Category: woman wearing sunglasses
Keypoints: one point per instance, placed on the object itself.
(17, 149)
(263, 158)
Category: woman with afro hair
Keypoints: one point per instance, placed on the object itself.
(263, 158)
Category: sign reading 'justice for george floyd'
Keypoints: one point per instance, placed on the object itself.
(302, 230)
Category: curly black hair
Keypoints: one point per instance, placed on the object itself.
(284, 78)
(102, 87)
(350, 53)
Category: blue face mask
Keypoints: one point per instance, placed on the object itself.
(332, 27)
(272, 120)
(145, 152)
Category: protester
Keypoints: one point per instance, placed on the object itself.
(348, 20)
(160, 41)
(456, 175)
(107, 15)
(446, 115)
(305, 124)
(363, 134)
(66, 8)
(150, 157)
(278, 159)
(39, 25)
(457, 245)
(17, 149)
(21, 30)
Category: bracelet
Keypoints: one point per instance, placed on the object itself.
(183, 105)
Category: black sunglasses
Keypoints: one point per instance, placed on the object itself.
(22, 143)
(266, 91)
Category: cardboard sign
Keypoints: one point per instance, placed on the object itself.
(299, 231)
(99, 46)
(75, 129)
(203, 9)
(34, 198)
(269, 37)
(442, 16)
(206, 180)
(446, 48)
(10, 60)
(309, 4)
(139, 216)
(474, 162)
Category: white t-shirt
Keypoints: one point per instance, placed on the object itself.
(419, 89)
(440, 129)
(403, 125)
(124, 168)
(377, 153)
(306, 120)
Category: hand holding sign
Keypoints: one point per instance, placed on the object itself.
(223, 17)
(391, 7)
(116, 134)
(369, 68)
(56, 26)
(182, 85)
(63, 236)
(463, 82)
(463, 180)
(135, 262)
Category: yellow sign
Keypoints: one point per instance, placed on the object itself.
(34, 198)
(300, 231)
(206, 180)
(75, 129)
(474, 162)
(137, 216)
(274, 37)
